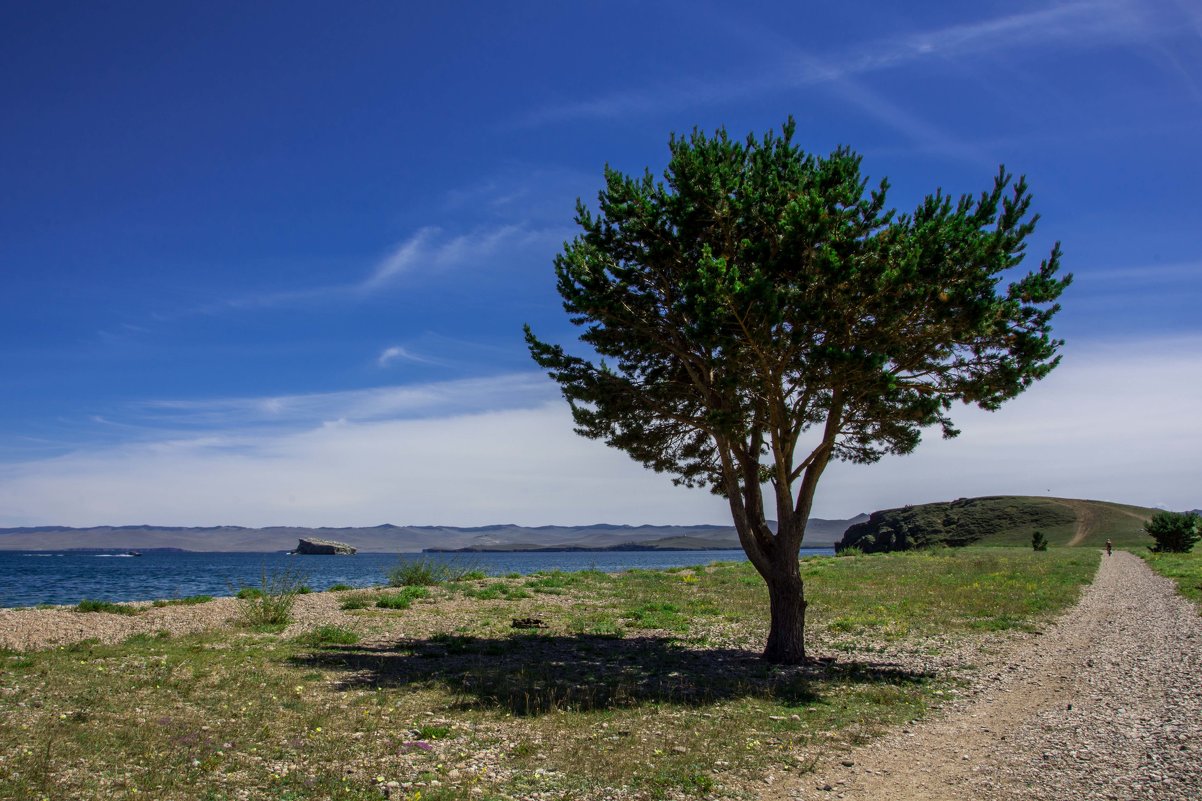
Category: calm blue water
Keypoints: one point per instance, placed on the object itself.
(27, 578)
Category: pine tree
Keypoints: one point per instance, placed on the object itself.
(759, 312)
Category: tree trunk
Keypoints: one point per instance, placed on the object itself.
(786, 596)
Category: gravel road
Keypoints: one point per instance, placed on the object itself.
(1106, 704)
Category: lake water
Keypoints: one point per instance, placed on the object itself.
(28, 578)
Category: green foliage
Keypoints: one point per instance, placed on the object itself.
(661, 615)
(339, 587)
(403, 599)
(1174, 532)
(358, 600)
(190, 600)
(759, 292)
(269, 606)
(328, 635)
(427, 572)
(1038, 541)
(958, 523)
(431, 732)
(494, 591)
(999, 520)
(87, 605)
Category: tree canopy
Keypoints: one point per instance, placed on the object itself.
(760, 311)
(1174, 532)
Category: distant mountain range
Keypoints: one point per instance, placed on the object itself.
(388, 538)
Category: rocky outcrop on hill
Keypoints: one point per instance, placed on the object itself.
(956, 523)
(320, 547)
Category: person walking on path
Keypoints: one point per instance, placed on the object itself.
(1109, 547)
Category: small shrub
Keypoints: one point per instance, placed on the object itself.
(430, 732)
(304, 589)
(356, 601)
(850, 550)
(1174, 532)
(339, 587)
(270, 604)
(87, 605)
(1039, 542)
(428, 572)
(328, 635)
(403, 599)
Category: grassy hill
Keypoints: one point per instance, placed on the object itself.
(1000, 520)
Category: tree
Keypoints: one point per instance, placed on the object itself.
(1039, 542)
(758, 313)
(1174, 532)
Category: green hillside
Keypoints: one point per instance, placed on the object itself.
(1000, 520)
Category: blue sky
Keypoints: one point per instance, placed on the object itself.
(269, 263)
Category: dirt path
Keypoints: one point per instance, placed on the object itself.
(1086, 518)
(1107, 704)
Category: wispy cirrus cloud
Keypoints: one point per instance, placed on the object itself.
(418, 401)
(399, 353)
(789, 66)
(429, 249)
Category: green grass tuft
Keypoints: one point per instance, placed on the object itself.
(191, 600)
(403, 599)
(88, 605)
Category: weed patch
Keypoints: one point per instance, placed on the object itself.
(328, 635)
(403, 599)
(191, 600)
(268, 607)
(106, 606)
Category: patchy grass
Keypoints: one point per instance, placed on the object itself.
(87, 605)
(358, 600)
(644, 685)
(190, 600)
(268, 607)
(427, 572)
(403, 599)
(1183, 568)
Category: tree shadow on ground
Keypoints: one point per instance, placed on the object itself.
(535, 673)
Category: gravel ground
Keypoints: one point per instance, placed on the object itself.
(28, 629)
(1106, 704)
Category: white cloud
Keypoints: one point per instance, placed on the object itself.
(463, 396)
(401, 353)
(1116, 421)
(430, 249)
